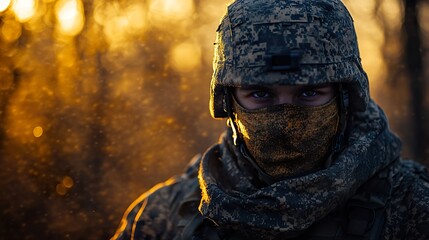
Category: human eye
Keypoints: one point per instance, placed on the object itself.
(260, 94)
(309, 93)
(315, 95)
(255, 97)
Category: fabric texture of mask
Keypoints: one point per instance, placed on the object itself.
(287, 140)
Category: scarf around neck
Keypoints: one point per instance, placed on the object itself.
(232, 198)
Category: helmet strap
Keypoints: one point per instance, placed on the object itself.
(227, 107)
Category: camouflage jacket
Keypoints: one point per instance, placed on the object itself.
(367, 193)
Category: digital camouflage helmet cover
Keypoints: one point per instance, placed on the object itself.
(287, 42)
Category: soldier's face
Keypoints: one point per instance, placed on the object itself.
(288, 130)
(254, 97)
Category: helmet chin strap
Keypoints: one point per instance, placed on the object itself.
(227, 107)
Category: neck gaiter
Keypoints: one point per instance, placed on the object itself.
(288, 140)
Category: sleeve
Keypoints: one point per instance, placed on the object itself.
(148, 217)
(418, 220)
(154, 214)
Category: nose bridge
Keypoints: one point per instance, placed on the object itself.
(285, 94)
(285, 98)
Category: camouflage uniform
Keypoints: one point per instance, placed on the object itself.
(367, 192)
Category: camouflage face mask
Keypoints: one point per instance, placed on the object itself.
(288, 140)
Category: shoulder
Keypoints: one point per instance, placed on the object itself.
(418, 201)
(414, 182)
(411, 199)
(154, 213)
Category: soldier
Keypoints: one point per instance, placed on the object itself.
(307, 155)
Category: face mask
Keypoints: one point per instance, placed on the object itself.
(288, 140)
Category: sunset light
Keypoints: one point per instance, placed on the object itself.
(70, 16)
(11, 30)
(4, 4)
(186, 56)
(24, 9)
(121, 25)
(102, 99)
(171, 9)
(38, 132)
(136, 15)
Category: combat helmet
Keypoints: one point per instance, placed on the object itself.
(287, 42)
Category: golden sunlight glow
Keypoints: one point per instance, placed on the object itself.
(169, 120)
(11, 30)
(103, 12)
(64, 186)
(6, 78)
(24, 9)
(370, 39)
(115, 30)
(171, 9)
(38, 132)
(136, 15)
(392, 10)
(4, 4)
(424, 17)
(119, 24)
(186, 56)
(243, 130)
(61, 190)
(70, 16)
(67, 182)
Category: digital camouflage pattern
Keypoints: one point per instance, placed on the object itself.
(220, 196)
(235, 205)
(289, 207)
(254, 31)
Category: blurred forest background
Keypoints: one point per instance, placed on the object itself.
(101, 99)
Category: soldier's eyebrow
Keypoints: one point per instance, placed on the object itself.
(261, 87)
(254, 87)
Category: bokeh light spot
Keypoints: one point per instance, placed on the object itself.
(4, 4)
(186, 56)
(11, 30)
(120, 26)
(169, 121)
(137, 16)
(68, 182)
(171, 9)
(38, 132)
(393, 12)
(424, 17)
(115, 30)
(70, 16)
(61, 189)
(24, 9)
